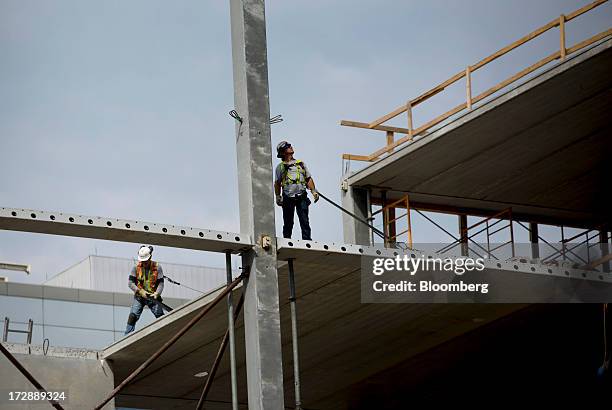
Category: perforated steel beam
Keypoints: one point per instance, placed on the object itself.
(123, 230)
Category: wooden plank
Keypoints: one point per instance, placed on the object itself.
(410, 125)
(387, 117)
(390, 140)
(440, 118)
(357, 124)
(467, 73)
(356, 157)
(468, 88)
(584, 9)
(428, 94)
(589, 41)
(517, 76)
(485, 61)
(409, 221)
(562, 36)
(514, 45)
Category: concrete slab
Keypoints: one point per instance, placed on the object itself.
(342, 340)
(541, 148)
(113, 229)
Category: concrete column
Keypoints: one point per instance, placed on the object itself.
(356, 201)
(256, 195)
(463, 235)
(533, 238)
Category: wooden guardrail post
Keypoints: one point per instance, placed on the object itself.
(409, 112)
(468, 88)
(562, 35)
(390, 141)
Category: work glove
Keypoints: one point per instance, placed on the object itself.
(315, 195)
(279, 200)
(142, 293)
(155, 295)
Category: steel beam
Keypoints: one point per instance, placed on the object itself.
(255, 191)
(112, 229)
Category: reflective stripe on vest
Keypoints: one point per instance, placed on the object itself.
(301, 174)
(146, 278)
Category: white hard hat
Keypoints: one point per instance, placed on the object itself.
(144, 253)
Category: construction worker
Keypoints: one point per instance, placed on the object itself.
(147, 282)
(293, 177)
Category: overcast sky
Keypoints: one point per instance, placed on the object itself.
(119, 108)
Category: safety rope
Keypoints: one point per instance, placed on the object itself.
(179, 284)
(373, 228)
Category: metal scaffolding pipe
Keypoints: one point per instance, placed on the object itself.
(231, 330)
(294, 337)
(28, 375)
(170, 342)
(217, 362)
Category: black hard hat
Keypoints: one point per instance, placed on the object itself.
(281, 147)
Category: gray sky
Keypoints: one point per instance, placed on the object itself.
(119, 108)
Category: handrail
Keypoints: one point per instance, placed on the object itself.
(466, 73)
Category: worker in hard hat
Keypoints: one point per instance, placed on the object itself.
(147, 282)
(293, 178)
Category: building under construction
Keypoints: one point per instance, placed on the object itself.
(291, 329)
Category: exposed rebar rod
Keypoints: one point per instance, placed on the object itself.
(294, 337)
(170, 342)
(213, 369)
(28, 375)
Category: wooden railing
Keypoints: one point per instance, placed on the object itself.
(411, 132)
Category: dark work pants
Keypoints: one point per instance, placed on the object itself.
(137, 307)
(300, 204)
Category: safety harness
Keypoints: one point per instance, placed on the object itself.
(300, 178)
(146, 278)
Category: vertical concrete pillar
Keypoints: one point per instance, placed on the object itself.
(533, 238)
(463, 235)
(253, 146)
(356, 201)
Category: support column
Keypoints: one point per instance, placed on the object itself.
(256, 195)
(294, 337)
(604, 248)
(533, 238)
(463, 235)
(356, 201)
(231, 332)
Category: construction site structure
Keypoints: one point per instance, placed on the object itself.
(547, 165)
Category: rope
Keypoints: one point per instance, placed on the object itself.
(185, 286)
(372, 227)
